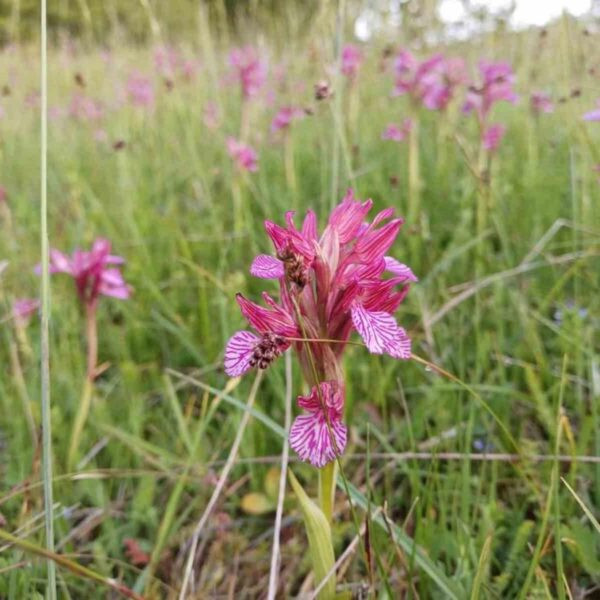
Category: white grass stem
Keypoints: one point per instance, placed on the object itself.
(45, 296)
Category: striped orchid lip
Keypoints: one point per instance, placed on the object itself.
(331, 284)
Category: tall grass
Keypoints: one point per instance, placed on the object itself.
(161, 421)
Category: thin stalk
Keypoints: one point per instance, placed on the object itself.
(238, 217)
(45, 331)
(414, 172)
(290, 170)
(327, 479)
(91, 333)
(83, 410)
(337, 103)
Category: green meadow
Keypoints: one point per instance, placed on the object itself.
(474, 474)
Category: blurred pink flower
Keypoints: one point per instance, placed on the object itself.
(212, 115)
(593, 115)
(166, 60)
(3, 194)
(497, 80)
(84, 108)
(352, 57)
(541, 102)
(32, 99)
(249, 70)
(140, 90)
(492, 136)
(431, 82)
(244, 155)
(100, 135)
(92, 272)
(23, 309)
(56, 113)
(283, 119)
(397, 134)
(189, 68)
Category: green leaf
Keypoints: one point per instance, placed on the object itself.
(319, 539)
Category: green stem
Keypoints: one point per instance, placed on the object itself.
(238, 217)
(414, 175)
(82, 415)
(327, 479)
(290, 171)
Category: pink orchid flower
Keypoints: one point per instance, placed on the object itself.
(23, 309)
(249, 70)
(431, 82)
(283, 119)
(166, 60)
(351, 59)
(244, 155)
(397, 134)
(85, 108)
(330, 285)
(497, 80)
(541, 102)
(492, 136)
(92, 272)
(140, 90)
(212, 115)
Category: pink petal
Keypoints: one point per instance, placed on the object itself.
(374, 244)
(380, 332)
(267, 267)
(397, 268)
(312, 441)
(122, 292)
(114, 260)
(347, 217)
(238, 353)
(264, 320)
(593, 115)
(59, 263)
(309, 226)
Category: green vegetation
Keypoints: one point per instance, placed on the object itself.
(521, 339)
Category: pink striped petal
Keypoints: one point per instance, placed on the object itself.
(397, 268)
(374, 244)
(380, 332)
(264, 320)
(311, 439)
(267, 267)
(347, 217)
(309, 226)
(402, 346)
(238, 353)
